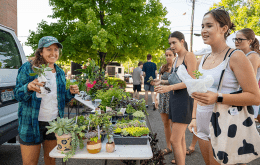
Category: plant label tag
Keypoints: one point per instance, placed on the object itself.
(108, 109)
(123, 110)
(233, 111)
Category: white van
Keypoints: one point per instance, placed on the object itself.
(11, 59)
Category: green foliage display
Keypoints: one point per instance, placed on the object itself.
(91, 70)
(106, 96)
(116, 82)
(130, 109)
(106, 30)
(243, 14)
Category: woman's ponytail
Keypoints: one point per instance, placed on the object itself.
(255, 46)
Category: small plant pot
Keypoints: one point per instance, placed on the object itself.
(130, 117)
(119, 117)
(110, 147)
(64, 142)
(94, 147)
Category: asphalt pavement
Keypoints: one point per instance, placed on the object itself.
(10, 154)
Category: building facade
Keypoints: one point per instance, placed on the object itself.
(8, 14)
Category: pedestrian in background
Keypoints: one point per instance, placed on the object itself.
(247, 42)
(163, 106)
(35, 113)
(137, 80)
(149, 70)
(181, 104)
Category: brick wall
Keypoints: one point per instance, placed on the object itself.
(8, 13)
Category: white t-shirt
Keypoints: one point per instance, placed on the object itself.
(49, 104)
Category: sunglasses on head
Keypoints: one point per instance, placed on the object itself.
(238, 40)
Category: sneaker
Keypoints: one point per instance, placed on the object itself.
(146, 106)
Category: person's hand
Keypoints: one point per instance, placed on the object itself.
(155, 82)
(207, 98)
(162, 89)
(193, 125)
(74, 89)
(35, 86)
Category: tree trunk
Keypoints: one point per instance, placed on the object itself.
(102, 57)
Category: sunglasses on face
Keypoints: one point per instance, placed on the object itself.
(238, 40)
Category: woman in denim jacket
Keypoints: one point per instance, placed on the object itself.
(35, 113)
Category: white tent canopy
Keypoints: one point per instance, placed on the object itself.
(229, 42)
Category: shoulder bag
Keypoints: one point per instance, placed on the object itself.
(234, 137)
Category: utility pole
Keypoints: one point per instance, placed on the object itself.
(191, 28)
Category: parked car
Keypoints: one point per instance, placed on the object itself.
(11, 59)
(128, 78)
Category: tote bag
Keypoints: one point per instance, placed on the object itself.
(234, 137)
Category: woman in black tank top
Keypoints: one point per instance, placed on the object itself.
(180, 103)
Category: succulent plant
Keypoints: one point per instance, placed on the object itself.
(61, 126)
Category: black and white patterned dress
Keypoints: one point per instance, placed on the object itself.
(164, 97)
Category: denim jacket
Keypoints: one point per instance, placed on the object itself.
(29, 104)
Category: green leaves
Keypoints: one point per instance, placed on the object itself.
(40, 70)
(197, 74)
(106, 31)
(243, 15)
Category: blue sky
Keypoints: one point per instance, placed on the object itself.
(31, 12)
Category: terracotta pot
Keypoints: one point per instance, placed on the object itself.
(94, 147)
(64, 142)
(110, 147)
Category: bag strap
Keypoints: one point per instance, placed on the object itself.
(224, 68)
(175, 63)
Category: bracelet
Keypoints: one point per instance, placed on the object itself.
(193, 118)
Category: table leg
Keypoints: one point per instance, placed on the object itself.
(105, 161)
(68, 110)
(77, 109)
(137, 162)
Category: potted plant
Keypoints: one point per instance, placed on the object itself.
(93, 142)
(62, 129)
(130, 110)
(119, 115)
(41, 72)
(139, 114)
(110, 145)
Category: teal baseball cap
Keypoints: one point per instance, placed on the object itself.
(47, 41)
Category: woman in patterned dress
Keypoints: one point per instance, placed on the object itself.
(164, 72)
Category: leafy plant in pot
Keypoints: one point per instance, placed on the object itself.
(139, 114)
(110, 145)
(93, 142)
(130, 110)
(41, 71)
(119, 115)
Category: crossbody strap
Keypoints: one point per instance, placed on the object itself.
(224, 68)
(174, 65)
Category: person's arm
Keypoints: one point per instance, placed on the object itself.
(144, 74)
(21, 91)
(245, 75)
(191, 63)
(253, 58)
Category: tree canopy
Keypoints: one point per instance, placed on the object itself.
(106, 30)
(243, 13)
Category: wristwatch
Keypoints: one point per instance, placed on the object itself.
(220, 98)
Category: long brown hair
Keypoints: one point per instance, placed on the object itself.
(222, 17)
(38, 60)
(165, 66)
(250, 35)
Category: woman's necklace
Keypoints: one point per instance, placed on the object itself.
(217, 53)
